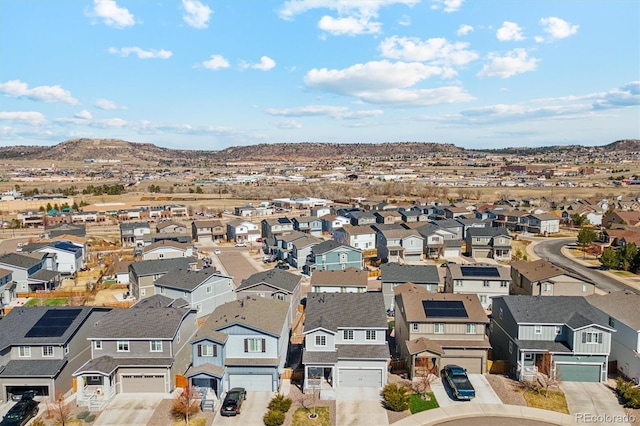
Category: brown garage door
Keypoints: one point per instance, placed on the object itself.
(472, 365)
(143, 383)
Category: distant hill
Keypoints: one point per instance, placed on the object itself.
(630, 145)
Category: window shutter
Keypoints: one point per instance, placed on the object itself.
(264, 345)
(584, 337)
(199, 350)
(599, 337)
(215, 350)
(246, 345)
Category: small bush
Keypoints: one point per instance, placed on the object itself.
(90, 418)
(628, 394)
(395, 397)
(273, 418)
(38, 422)
(280, 403)
(83, 415)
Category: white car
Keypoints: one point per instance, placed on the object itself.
(241, 244)
(217, 251)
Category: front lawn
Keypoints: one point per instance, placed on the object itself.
(47, 302)
(624, 274)
(301, 417)
(417, 404)
(555, 402)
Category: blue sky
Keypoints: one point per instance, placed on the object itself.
(212, 74)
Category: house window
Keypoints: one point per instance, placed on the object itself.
(47, 351)
(537, 329)
(457, 283)
(558, 330)
(438, 328)
(486, 283)
(160, 255)
(343, 257)
(209, 289)
(97, 344)
(24, 352)
(612, 322)
(156, 345)
(123, 346)
(198, 307)
(162, 290)
(370, 335)
(547, 287)
(510, 347)
(504, 283)
(414, 326)
(280, 296)
(584, 288)
(483, 299)
(528, 356)
(500, 314)
(143, 292)
(185, 294)
(321, 340)
(591, 337)
(347, 335)
(471, 328)
(254, 345)
(261, 294)
(207, 350)
(66, 350)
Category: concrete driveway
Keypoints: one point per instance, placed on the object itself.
(253, 409)
(360, 406)
(484, 392)
(591, 399)
(130, 409)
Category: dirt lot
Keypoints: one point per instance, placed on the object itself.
(507, 389)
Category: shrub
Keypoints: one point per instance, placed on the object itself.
(628, 394)
(83, 415)
(38, 422)
(273, 418)
(90, 418)
(280, 403)
(395, 397)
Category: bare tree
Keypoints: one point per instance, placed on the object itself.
(58, 409)
(185, 404)
(545, 373)
(421, 383)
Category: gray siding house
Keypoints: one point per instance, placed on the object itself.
(273, 284)
(491, 243)
(485, 281)
(545, 279)
(242, 344)
(525, 328)
(29, 273)
(203, 290)
(393, 274)
(143, 274)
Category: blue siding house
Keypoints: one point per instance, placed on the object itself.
(332, 256)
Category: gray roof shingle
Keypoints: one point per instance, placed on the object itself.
(268, 315)
(621, 305)
(186, 279)
(33, 368)
(344, 310)
(275, 277)
(419, 274)
(20, 261)
(139, 323)
(161, 266)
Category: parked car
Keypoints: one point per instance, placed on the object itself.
(282, 266)
(232, 404)
(459, 382)
(21, 413)
(447, 263)
(25, 395)
(217, 251)
(241, 244)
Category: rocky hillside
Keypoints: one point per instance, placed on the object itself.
(629, 145)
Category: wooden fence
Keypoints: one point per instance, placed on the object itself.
(53, 294)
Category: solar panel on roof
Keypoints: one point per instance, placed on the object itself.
(477, 271)
(53, 323)
(444, 309)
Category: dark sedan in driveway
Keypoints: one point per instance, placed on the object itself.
(458, 380)
(232, 404)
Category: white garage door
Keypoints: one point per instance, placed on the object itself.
(356, 378)
(450, 253)
(205, 239)
(252, 382)
(472, 365)
(143, 383)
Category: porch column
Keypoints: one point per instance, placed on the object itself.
(107, 391)
(305, 383)
(80, 387)
(333, 376)
(521, 365)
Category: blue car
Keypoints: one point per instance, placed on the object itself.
(458, 380)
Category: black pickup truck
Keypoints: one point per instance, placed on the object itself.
(459, 382)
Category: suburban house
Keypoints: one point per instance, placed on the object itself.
(143, 274)
(452, 226)
(7, 289)
(488, 243)
(433, 330)
(167, 249)
(472, 222)
(134, 350)
(207, 231)
(276, 226)
(331, 255)
(66, 229)
(399, 245)
(284, 243)
(393, 275)
(170, 227)
(273, 284)
(360, 237)
(620, 311)
(345, 342)
(529, 330)
(330, 223)
(68, 257)
(545, 279)
(300, 250)
(41, 346)
(132, 233)
(360, 218)
(414, 215)
(241, 231)
(308, 224)
(543, 223)
(350, 280)
(28, 273)
(243, 343)
(439, 242)
(485, 281)
(620, 217)
(203, 290)
(320, 211)
(388, 216)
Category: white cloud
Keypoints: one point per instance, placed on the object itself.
(28, 117)
(105, 104)
(112, 14)
(196, 14)
(349, 25)
(464, 29)
(446, 5)
(558, 28)
(216, 62)
(18, 89)
(83, 115)
(335, 112)
(405, 20)
(514, 62)
(510, 31)
(288, 125)
(265, 64)
(141, 53)
(436, 50)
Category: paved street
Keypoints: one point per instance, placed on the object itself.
(234, 261)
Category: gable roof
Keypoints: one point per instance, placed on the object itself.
(275, 277)
(504, 273)
(168, 223)
(344, 310)
(19, 261)
(414, 310)
(139, 322)
(537, 270)
(621, 305)
(487, 232)
(187, 279)
(419, 274)
(328, 246)
(357, 229)
(161, 266)
(306, 242)
(207, 223)
(544, 216)
(267, 315)
(447, 223)
(574, 311)
(344, 277)
(165, 243)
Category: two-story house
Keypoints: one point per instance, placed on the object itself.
(529, 330)
(139, 349)
(308, 224)
(242, 231)
(485, 281)
(300, 250)
(331, 255)
(330, 223)
(439, 242)
(543, 223)
(393, 275)
(350, 280)
(171, 227)
(242, 344)
(41, 346)
(360, 218)
(472, 222)
(273, 284)
(545, 279)
(207, 231)
(388, 216)
(399, 245)
(203, 290)
(276, 226)
(620, 311)
(131, 234)
(284, 243)
(452, 226)
(29, 273)
(167, 249)
(360, 237)
(143, 274)
(69, 257)
(433, 330)
(491, 243)
(345, 342)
